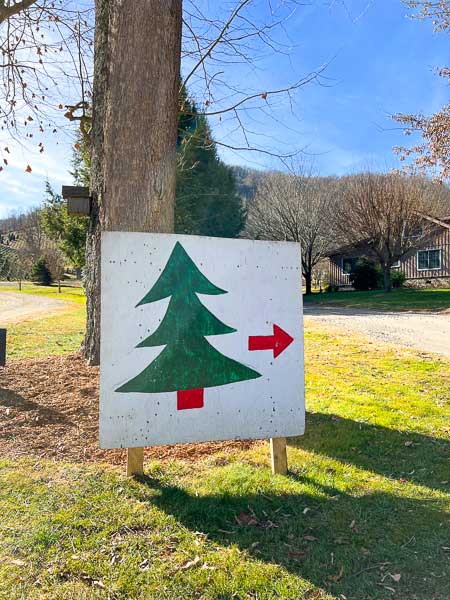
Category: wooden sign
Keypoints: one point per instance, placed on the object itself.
(201, 340)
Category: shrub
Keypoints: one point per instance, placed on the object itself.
(40, 273)
(365, 275)
(397, 278)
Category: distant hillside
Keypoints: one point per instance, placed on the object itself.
(247, 181)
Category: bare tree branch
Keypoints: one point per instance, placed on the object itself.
(9, 10)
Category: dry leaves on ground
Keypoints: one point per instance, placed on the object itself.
(49, 409)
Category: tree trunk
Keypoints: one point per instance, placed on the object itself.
(308, 283)
(387, 278)
(134, 130)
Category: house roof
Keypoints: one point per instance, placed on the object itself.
(440, 222)
(364, 244)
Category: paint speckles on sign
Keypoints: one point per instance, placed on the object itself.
(201, 339)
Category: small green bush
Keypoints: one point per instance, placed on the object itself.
(365, 275)
(397, 278)
(40, 273)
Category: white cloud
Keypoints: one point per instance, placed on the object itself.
(20, 190)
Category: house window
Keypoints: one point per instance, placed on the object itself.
(348, 265)
(428, 260)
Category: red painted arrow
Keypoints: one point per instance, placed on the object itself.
(278, 342)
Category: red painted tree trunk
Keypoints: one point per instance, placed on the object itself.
(190, 399)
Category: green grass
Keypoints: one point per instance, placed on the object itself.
(397, 300)
(46, 336)
(363, 513)
(71, 292)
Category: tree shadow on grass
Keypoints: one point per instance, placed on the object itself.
(413, 457)
(10, 399)
(350, 545)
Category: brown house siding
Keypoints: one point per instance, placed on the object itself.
(408, 264)
(337, 276)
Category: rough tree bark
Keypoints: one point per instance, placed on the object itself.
(135, 108)
(387, 283)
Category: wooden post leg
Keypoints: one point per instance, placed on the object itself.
(135, 461)
(278, 456)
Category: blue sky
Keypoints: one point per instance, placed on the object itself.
(378, 62)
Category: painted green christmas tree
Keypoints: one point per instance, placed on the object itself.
(188, 363)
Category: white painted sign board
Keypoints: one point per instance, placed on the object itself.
(201, 340)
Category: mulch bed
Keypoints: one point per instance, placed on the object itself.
(49, 409)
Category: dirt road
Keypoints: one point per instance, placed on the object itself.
(424, 331)
(16, 307)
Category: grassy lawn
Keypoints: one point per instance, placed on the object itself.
(69, 291)
(363, 514)
(48, 336)
(397, 300)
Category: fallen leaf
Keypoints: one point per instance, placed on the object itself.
(267, 525)
(311, 594)
(190, 563)
(245, 520)
(396, 577)
(18, 562)
(310, 538)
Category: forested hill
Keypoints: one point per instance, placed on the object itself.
(247, 181)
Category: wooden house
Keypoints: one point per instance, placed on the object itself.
(426, 265)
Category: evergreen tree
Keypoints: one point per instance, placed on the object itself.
(207, 202)
(188, 362)
(81, 161)
(69, 233)
(40, 273)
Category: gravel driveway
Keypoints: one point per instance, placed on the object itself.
(424, 331)
(19, 307)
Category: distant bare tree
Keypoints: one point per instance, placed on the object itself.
(436, 10)
(32, 235)
(55, 261)
(295, 208)
(385, 212)
(432, 153)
